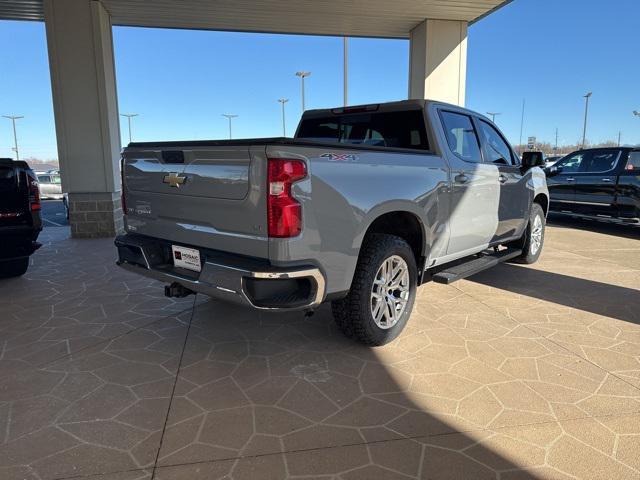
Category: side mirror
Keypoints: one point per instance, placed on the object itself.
(552, 170)
(532, 159)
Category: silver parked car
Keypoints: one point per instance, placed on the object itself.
(50, 185)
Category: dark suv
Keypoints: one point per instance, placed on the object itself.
(602, 183)
(20, 222)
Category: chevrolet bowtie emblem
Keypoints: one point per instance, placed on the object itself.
(174, 180)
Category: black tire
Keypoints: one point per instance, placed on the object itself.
(353, 314)
(14, 268)
(531, 252)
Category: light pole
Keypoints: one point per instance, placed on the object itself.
(586, 113)
(493, 115)
(302, 75)
(521, 127)
(13, 119)
(129, 117)
(284, 128)
(345, 58)
(229, 117)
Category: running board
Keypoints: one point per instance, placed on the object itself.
(475, 265)
(599, 218)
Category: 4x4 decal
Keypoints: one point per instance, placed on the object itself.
(340, 157)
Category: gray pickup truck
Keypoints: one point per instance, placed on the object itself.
(362, 206)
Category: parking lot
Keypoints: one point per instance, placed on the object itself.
(54, 214)
(516, 373)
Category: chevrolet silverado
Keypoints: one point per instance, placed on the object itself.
(362, 206)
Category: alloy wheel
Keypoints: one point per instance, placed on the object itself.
(390, 292)
(536, 235)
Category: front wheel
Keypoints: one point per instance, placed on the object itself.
(533, 237)
(382, 294)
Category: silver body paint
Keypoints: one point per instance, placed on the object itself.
(222, 205)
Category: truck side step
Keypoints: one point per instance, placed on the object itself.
(475, 265)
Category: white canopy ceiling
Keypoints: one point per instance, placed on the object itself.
(368, 18)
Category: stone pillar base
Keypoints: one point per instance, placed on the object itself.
(95, 215)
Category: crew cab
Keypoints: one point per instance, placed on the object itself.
(363, 205)
(602, 183)
(20, 222)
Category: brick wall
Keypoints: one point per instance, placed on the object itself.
(95, 215)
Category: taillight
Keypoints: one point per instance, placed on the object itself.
(34, 193)
(284, 212)
(122, 200)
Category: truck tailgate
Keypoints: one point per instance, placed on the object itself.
(14, 196)
(210, 196)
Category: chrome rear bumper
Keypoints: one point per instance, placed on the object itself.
(248, 282)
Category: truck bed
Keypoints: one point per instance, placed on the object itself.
(223, 206)
(285, 141)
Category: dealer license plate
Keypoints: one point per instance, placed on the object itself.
(184, 257)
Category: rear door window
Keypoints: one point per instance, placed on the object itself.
(601, 161)
(44, 179)
(405, 129)
(461, 136)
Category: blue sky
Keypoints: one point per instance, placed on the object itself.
(180, 82)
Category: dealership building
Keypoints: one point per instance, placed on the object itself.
(80, 46)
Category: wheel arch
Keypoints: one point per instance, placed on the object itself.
(404, 224)
(542, 200)
(538, 184)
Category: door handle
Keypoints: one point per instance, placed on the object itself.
(461, 178)
(502, 178)
(607, 180)
(570, 179)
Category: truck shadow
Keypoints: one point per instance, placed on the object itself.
(618, 230)
(591, 296)
(322, 404)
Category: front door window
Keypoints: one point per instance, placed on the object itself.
(572, 163)
(498, 150)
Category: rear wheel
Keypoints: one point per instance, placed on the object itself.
(382, 293)
(533, 238)
(14, 268)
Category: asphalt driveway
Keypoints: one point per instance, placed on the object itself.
(517, 373)
(54, 214)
